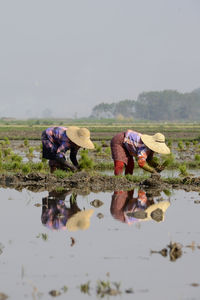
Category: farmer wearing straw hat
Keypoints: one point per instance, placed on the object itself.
(57, 140)
(129, 144)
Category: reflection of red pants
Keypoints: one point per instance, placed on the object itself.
(119, 166)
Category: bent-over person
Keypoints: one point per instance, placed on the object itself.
(57, 140)
(129, 144)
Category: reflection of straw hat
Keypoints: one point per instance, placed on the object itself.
(80, 221)
(80, 136)
(156, 143)
(161, 206)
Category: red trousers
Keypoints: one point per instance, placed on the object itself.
(119, 166)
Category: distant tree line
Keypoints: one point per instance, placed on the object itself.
(168, 105)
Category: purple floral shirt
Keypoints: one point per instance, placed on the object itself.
(136, 147)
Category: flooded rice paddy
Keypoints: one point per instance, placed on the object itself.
(109, 252)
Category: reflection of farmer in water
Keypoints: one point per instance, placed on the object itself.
(54, 211)
(129, 209)
(56, 215)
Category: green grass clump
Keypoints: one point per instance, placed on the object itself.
(187, 144)
(26, 168)
(85, 162)
(169, 160)
(197, 157)
(16, 158)
(7, 142)
(180, 145)
(98, 148)
(6, 152)
(170, 142)
(60, 174)
(26, 143)
(183, 169)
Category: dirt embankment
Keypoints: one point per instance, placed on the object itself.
(84, 182)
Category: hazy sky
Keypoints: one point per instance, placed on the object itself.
(69, 56)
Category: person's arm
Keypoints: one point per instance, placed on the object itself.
(142, 160)
(73, 154)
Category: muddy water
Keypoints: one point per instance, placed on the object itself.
(36, 259)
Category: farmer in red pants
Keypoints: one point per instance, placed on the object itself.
(129, 144)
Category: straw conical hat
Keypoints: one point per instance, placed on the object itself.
(80, 136)
(162, 205)
(80, 221)
(156, 143)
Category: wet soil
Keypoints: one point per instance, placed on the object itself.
(84, 182)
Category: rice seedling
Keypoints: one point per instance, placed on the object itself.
(85, 162)
(7, 142)
(107, 150)
(26, 143)
(6, 152)
(98, 148)
(61, 174)
(183, 169)
(197, 157)
(26, 168)
(170, 143)
(187, 144)
(16, 158)
(180, 145)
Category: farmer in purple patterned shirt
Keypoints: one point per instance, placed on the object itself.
(57, 140)
(129, 144)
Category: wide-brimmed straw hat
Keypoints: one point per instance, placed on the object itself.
(80, 221)
(161, 206)
(80, 136)
(156, 143)
(154, 212)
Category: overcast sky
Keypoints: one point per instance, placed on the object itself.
(68, 56)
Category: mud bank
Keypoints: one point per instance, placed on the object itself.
(84, 182)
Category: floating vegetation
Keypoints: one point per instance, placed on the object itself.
(174, 252)
(85, 288)
(44, 236)
(104, 288)
(55, 293)
(100, 216)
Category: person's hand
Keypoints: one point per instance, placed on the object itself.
(159, 168)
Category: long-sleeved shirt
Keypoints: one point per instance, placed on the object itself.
(135, 147)
(56, 139)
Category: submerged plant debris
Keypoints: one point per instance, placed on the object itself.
(174, 252)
